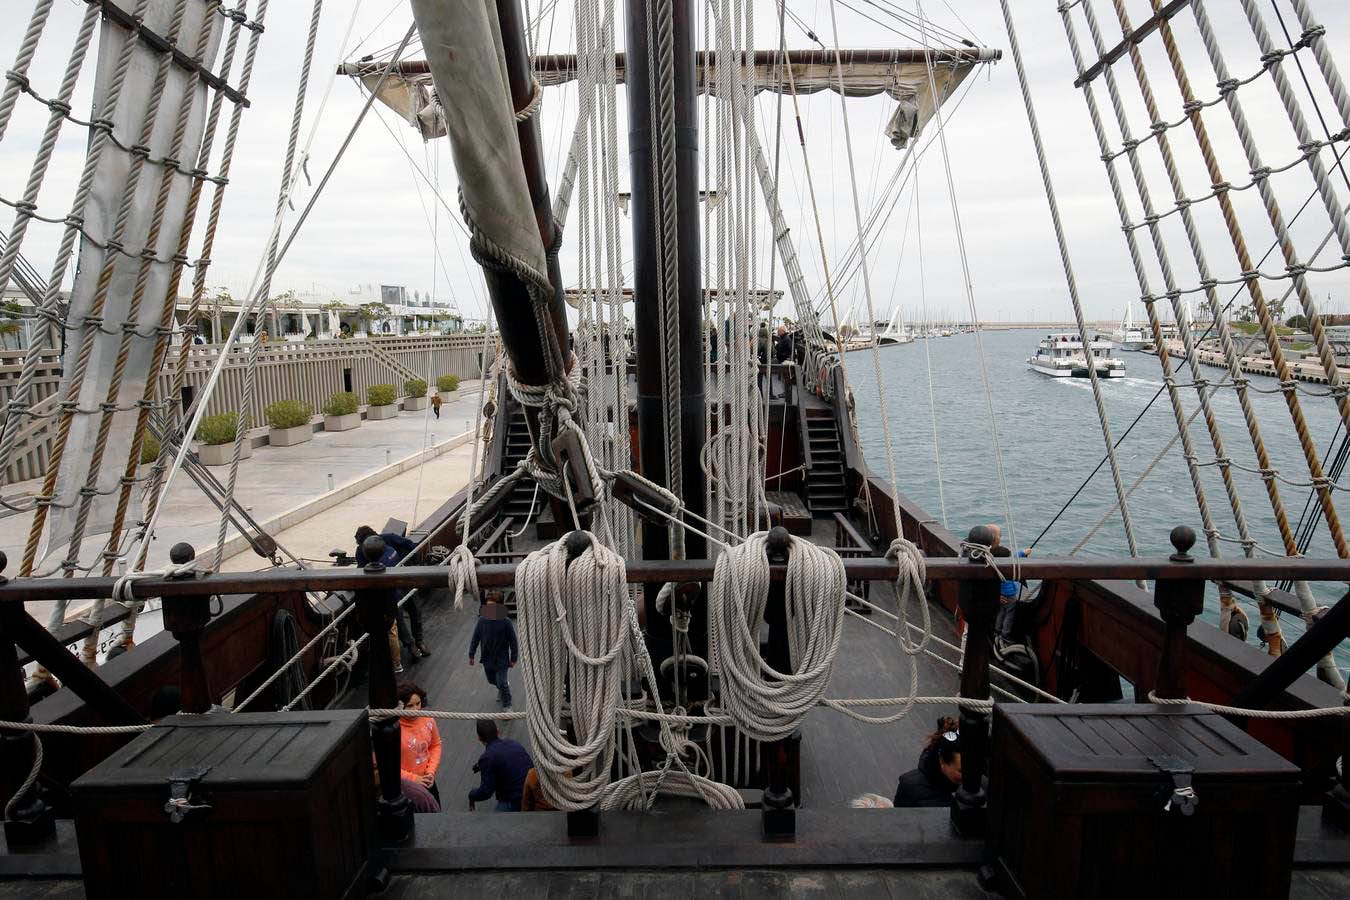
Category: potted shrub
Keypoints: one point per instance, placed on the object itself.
(340, 412)
(446, 385)
(149, 449)
(381, 401)
(416, 394)
(215, 436)
(289, 423)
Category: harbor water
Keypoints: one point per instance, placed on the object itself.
(1050, 439)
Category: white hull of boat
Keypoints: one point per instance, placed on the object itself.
(1078, 370)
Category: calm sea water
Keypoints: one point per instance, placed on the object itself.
(1051, 440)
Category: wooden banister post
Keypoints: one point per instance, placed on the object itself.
(1178, 602)
(184, 618)
(377, 607)
(30, 820)
(778, 812)
(978, 601)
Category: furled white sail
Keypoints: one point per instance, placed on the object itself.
(110, 183)
(900, 74)
(462, 39)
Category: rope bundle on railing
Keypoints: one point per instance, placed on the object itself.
(764, 703)
(572, 630)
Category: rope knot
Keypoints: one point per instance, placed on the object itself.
(18, 78)
(59, 106)
(1311, 34)
(1260, 173)
(1191, 106)
(1296, 270)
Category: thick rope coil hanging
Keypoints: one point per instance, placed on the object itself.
(766, 704)
(909, 589)
(572, 630)
(463, 578)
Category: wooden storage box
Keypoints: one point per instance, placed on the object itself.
(287, 809)
(1077, 796)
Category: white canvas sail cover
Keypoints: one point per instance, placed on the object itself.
(900, 74)
(109, 185)
(462, 39)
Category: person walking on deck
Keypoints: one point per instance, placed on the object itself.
(436, 404)
(502, 769)
(497, 637)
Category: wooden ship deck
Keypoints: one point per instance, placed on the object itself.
(1127, 781)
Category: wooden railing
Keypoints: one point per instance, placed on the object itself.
(1170, 661)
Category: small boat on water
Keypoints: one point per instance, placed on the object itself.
(895, 333)
(1061, 356)
(1129, 336)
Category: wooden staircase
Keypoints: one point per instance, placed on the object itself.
(517, 506)
(826, 491)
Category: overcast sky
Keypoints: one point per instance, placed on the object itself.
(375, 222)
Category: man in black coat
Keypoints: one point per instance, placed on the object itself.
(497, 636)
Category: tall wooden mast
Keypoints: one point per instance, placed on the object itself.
(649, 207)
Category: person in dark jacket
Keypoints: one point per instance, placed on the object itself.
(502, 768)
(409, 620)
(939, 772)
(782, 347)
(497, 636)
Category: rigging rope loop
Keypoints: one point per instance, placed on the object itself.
(572, 629)
(463, 577)
(536, 98)
(764, 703)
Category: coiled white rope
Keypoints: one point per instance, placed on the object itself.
(764, 703)
(631, 792)
(571, 632)
(463, 576)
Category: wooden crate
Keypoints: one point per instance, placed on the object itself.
(1077, 795)
(290, 808)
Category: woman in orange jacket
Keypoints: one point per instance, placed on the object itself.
(420, 755)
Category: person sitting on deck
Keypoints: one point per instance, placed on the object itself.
(407, 626)
(939, 772)
(870, 801)
(418, 796)
(503, 768)
(532, 795)
(497, 636)
(420, 741)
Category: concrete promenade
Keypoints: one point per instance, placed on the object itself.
(308, 492)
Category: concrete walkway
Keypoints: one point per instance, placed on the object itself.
(370, 472)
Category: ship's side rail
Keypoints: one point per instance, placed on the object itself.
(1145, 638)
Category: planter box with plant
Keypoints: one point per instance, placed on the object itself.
(446, 385)
(215, 437)
(381, 402)
(416, 398)
(340, 412)
(289, 423)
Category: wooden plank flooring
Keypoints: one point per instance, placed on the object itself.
(751, 884)
(841, 758)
